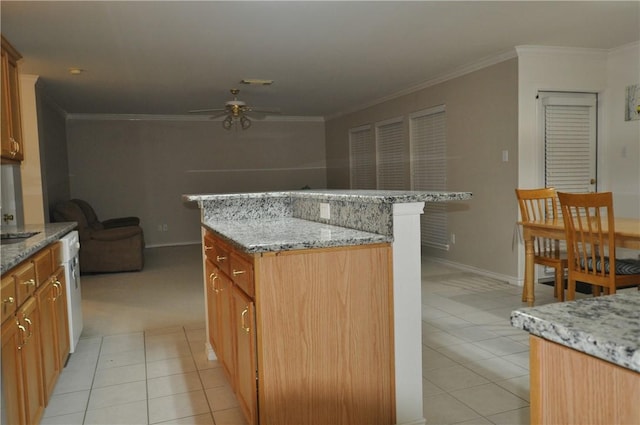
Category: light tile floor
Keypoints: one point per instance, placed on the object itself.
(475, 365)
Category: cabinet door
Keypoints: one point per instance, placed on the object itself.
(45, 296)
(61, 317)
(11, 116)
(12, 388)
(213, 314)
(246, 372)
(29, 318)
(226, 326)
(9, 301)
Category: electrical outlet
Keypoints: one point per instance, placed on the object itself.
(165, 227)
(453, 238)
(325, 211)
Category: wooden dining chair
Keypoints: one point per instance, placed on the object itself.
(537, 205)
(590, 232)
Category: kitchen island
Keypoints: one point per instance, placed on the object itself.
(374, 238)
(585, 360)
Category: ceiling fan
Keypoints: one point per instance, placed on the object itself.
(235, 111)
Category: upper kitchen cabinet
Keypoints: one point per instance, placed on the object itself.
(12, 146)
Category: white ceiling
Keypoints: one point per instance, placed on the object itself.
(168, 57)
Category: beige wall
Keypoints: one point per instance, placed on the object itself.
(143, 167)
(30, 169)
(482, 121)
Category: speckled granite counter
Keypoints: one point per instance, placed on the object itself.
(288, 233)
(14, 253)
(277, 221)
(606, 327)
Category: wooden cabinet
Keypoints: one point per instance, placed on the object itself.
(571, 387)
(312, 332)
(29, 322)
(54, 332)
(11, 123)
(35, 336)
(245, 336)
(12, 386)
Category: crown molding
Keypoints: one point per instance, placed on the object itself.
(629, 46)
(151, 117)
(559, 50)
(457, 72)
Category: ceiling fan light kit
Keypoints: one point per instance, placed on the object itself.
(235, 111)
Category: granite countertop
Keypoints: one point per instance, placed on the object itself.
(373, 196)
(12, 254)
(606, 327)
(289, 233)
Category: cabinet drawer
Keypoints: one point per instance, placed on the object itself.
(43, 263)
(56, 255)
(9, 301)
(242, 274)
(217, 253)
(25, 281)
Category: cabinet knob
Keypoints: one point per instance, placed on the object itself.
(30, 282)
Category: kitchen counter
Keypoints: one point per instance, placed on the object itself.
(13, 253)
(370, 211)
(606, 327)
(309, 219)
(288, 233)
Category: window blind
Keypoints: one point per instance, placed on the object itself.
(362, 158)
(429, 172)
(390, 155)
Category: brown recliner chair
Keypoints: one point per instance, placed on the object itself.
(104, 247)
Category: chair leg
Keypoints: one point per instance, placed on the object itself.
(559, 286)
(571, 289)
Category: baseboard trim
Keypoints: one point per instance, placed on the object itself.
(162, 245)
(511, 280)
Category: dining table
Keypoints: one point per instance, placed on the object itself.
(627, 235)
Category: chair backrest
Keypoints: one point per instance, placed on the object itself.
(589, 228)
(539, 205)
(89, 213)
(70, 211)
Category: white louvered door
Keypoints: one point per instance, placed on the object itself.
(569, 130)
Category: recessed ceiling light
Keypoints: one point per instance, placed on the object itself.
(75, 71)
(256, 82)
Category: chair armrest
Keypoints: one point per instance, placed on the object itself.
(116, 233)
(121, 222)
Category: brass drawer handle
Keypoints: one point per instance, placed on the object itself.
(9, 300)
(31, 282)
(207, 248)
(237, 272)
(220, 258)
(23, 332)
(212, 278)
(243, 319)
(26, 319)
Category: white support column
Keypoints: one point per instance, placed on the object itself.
(407, 289)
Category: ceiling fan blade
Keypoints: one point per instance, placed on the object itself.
(219, 114)
(263, 110)
(198, 111)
